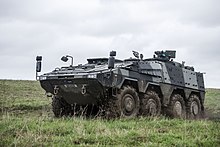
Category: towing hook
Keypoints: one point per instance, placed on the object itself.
(56, 90)
(83, 90)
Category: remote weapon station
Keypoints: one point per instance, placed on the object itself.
(126, 88)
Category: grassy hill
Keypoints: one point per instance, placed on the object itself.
(26, 120)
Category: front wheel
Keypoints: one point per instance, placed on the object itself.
(126, 104)
(60, 107)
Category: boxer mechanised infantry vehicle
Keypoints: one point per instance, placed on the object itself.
(126, 88)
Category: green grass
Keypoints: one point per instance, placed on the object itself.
(26, 120)
(212, 103)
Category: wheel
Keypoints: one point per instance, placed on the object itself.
(125, 105)
(60, 107)
(176, 108)
(128, 102)
(150, 104)
(194, 107)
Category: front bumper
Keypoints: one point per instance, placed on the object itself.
(75, 91)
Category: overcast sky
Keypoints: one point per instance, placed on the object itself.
(92, 28)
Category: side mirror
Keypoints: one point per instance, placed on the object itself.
(38, 65)
(64, 59)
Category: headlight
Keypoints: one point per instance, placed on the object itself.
(92, 76)
(41, 78)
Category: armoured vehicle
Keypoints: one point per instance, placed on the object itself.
(126, 88)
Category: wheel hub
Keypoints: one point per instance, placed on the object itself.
(129, 103)
(178, 108)
(151, 107)
(195, 108)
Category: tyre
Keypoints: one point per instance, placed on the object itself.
(125, 105)
(177, 108)
(60, 107)
(150, 104)
(194, 110)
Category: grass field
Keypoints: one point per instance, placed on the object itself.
(26, 120)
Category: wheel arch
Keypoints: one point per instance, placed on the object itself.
(130, 82)
(201, 96)
(179, 91)
(156, 88)
(176, 90)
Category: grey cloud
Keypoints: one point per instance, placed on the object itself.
(200, 12)
(87, 28)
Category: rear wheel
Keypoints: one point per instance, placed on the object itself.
(194, 107)
(60, 107)
(176, 108)
(151, 104)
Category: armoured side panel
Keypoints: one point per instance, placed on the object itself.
(150, 74)
(167, 90)
(200, 81)
(190, 79)
(173, 74)
(143, 79)
(182, 77)
(150, 68)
